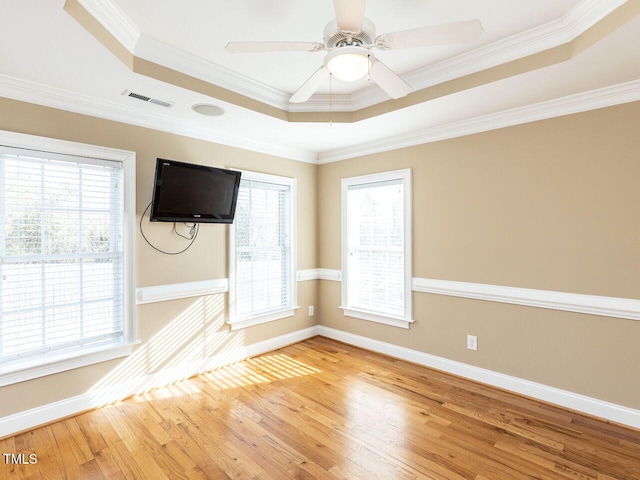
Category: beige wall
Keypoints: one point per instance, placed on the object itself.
(551, 205)
(180, 331)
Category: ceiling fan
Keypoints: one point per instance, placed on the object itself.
(349, 40)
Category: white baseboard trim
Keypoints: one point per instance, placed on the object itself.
(563, 398)
(22, 421)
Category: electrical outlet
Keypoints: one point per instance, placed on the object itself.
(311, 310)
(472, 342)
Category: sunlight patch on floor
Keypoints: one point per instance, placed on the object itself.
(263, 369)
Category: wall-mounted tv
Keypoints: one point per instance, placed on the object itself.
(184, 192)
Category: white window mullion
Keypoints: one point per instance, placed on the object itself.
(43, 306)
(115, 247)
(44, 206)
(250, 284)
(80, 251)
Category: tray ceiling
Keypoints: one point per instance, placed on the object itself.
(534, 60)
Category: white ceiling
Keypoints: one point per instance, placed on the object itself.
(47, 57)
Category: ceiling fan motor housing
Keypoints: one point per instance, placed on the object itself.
(335, 38)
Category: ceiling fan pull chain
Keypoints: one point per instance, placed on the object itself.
(330, 99)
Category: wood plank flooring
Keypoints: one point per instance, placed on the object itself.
(324, 410)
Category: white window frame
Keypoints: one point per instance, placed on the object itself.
(404, 320)
(237, 321)
(22, 370)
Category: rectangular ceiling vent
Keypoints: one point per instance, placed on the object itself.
(144, 98)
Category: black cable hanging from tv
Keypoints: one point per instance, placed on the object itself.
(193, 233)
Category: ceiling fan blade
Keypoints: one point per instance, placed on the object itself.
(445, 34)
(309, 87)
(260, 47)
(349, 14)
(389, 81)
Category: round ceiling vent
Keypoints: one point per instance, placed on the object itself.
(208, 110)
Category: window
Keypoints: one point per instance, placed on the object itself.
(262, 251)
(64, 249)
(376, 247)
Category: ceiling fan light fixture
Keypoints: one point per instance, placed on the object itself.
(348, 63)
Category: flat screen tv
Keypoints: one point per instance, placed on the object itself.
(184, 192)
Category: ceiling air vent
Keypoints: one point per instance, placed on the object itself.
(144, 98)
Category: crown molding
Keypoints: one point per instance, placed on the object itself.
(581, 102)
(535, 40)
(46, 95)
(587, 13)
(156, 51)
(552, 34)
(324, 103)
(153, 50)
(116, 22)
(40, 94)
(113, 18)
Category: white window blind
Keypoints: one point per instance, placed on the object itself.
(61, 248)
(376, 245)
(262, 257)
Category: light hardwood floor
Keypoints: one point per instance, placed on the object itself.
(322, 409)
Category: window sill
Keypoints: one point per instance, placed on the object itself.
(377, 317)
(240, 323)
(20, 371)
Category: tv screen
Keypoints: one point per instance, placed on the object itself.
(184, 192)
